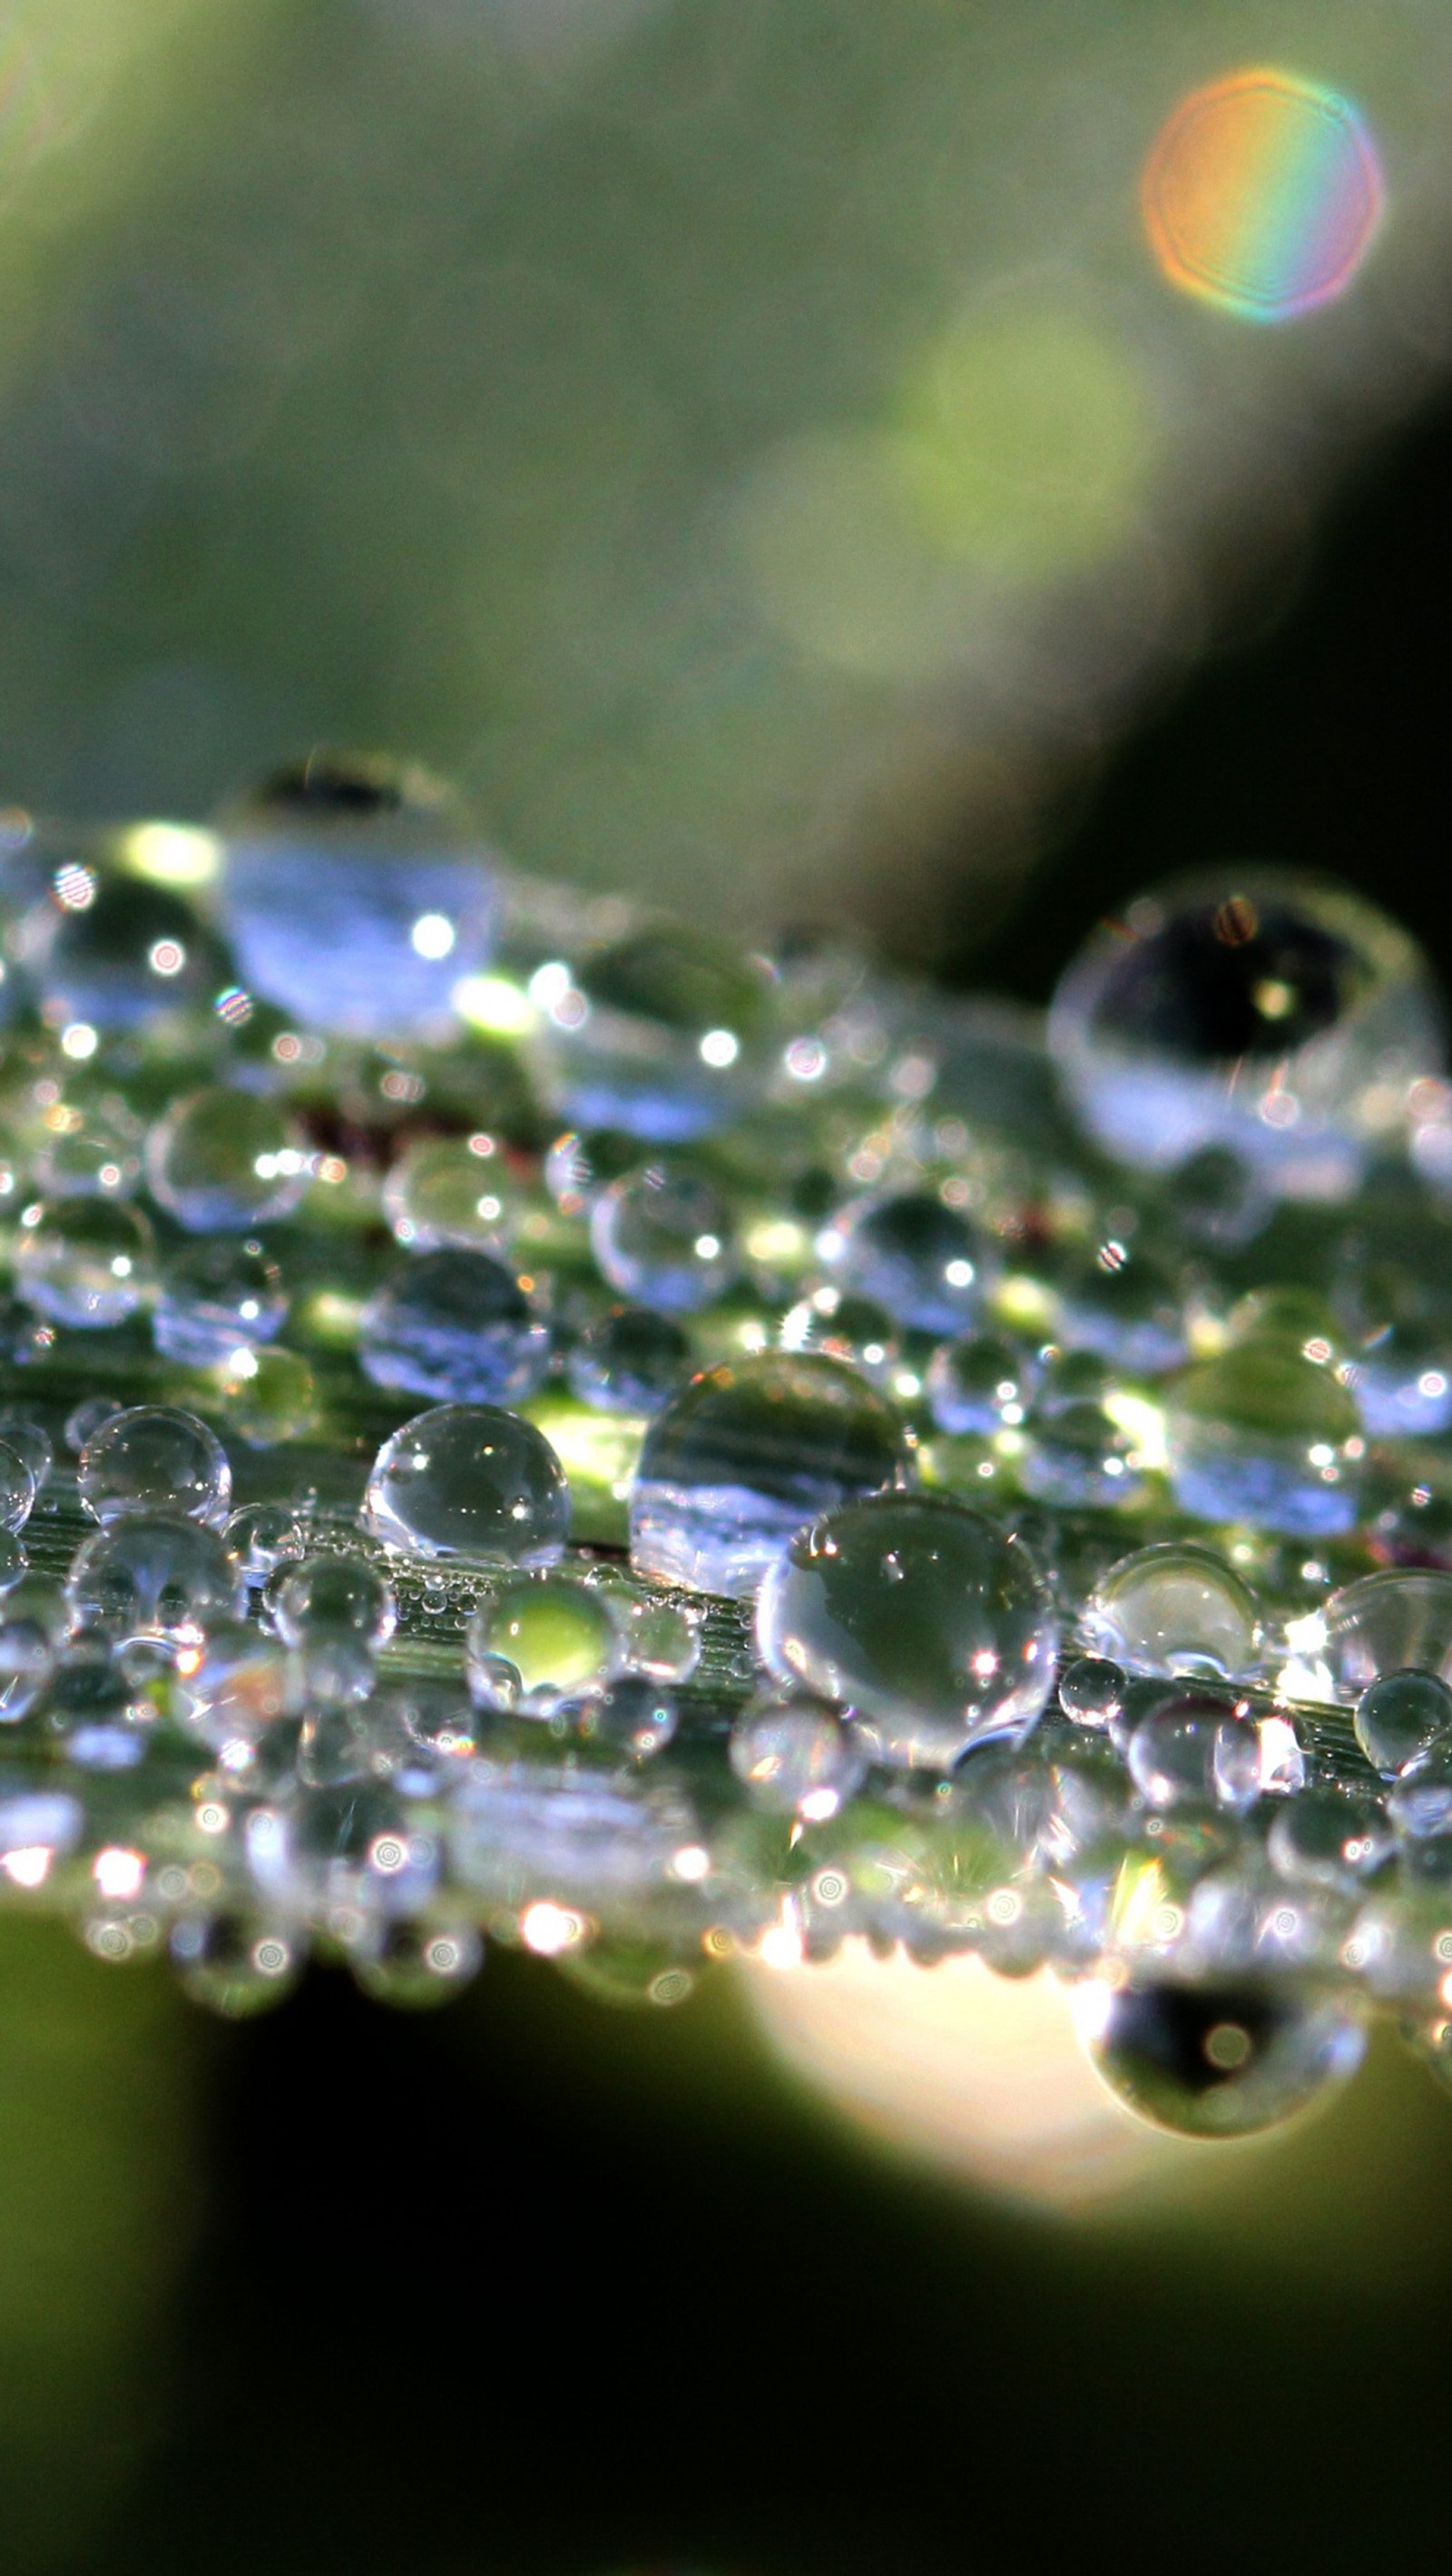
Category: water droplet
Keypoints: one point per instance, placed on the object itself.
(236, 1964)
(663, 1035)
(1091, 1691)
(416, 1966)
(328, 1593)
(844, 1327)
(266, 1396)
(151, 1574)
(85, 1421)
(452, 1190)
(1217, 2061)
(90, 1153)
(1266, 1435)
(153, 1458)
(796, 1758)
(664, 1235)
(557, 1632)
(931, 1625)
(469, 1480)
(456, 1325)
(980, 1383)
(17, 1489)
(214, 1297)
(1174, 1608)
(356, 895)
(629, 1360)
(1248, 1012)
(1400, 1718)
(747, 1454)
(131, 954)
(231, 1159)
(260, 1536)
(1327, 1838)
(925, 1262)
(238, 1689)
(1392, 1622)
(634, 1718)
(85, 1262)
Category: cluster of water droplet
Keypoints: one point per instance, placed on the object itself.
(520, 1423)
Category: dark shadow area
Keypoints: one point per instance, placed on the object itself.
(1324, 745)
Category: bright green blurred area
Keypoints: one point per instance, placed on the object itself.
(753, 447)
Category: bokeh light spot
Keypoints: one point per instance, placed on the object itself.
(1262, 194)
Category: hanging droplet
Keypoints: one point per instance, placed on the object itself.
(796, 1758)
(1216, 2061)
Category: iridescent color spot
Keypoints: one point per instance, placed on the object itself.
(1261, 194)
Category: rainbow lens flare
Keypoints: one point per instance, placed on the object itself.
(1261, 194)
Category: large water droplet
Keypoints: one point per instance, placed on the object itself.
(469, 1480)
(747, 1454)
(1217, 2061)
(932, 1625)
(456, 1325)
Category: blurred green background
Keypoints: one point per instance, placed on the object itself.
(752, 449)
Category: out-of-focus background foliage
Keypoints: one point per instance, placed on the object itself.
(749, 444)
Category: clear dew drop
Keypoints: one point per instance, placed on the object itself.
(557, 1631)
(1217, 2061)
(226, 1159)
(84, 1262)
(929, 1622)
(214, 1297)
(469, 1480)
(459, 1326)
(629, 1360)
(748, 1453)
(664, 1235)
(154, 1458)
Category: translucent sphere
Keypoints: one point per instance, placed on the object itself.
(629, 1360)
(1177, 1609)
(85, 1420)
(17, 1488)
(216, 1297)
(155, 1458)
(932, 1625)
(356, 895)
(334, 1592)
(1217, 2061)
(260, 1537)
(456, 1190)
(28, 1648)
(238, 1689)
(113, 953)
(745, 1456)
(579, 1165)
(266, 1396)
(556, 1631)
(661, 1639)
(154, 1575)
(1266, 1435)
(1091, 1691)
(1193, 1752)
(927, 1264)
(1393, 1622)
(664, 1235)
(1251, 1010)
(229, 1159)
(796, 1758)
(468, 1480)
(29, 1439)
(84, 1262)
(416, 1966)
(980, 1383)
(1125, 1305)
(1400, 1718)
(1077, 1456)
(1327, 1838)
(664, 1035)
(93, 1152)
(456, 1325)
(636, 1717)
(844, 1327)
(234, 1964)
